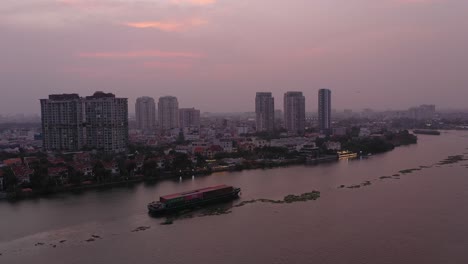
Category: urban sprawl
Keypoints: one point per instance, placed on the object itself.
(88, 142)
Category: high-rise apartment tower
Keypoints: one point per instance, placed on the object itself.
(189, 117)
(168, 113)
(71, 122)
(324, 110)
(265, 112)
(294, 112)
(145, 113)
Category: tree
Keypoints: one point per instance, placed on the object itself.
(181, 162)
(10, 180)
(100, 173)
(150, 168)
(76, 177)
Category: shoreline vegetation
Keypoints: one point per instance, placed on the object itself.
(181, 166)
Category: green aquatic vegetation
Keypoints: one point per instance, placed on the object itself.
(366, 183)
(452, 160)
(407, 171)
(141, 228)
(385, 177)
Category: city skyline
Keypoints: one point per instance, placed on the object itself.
(190, 49)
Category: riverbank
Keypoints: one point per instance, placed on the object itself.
(252, 165)
(366, 144)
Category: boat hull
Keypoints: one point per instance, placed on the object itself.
(195, 204)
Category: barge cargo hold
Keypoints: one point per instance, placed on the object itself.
(192, 199)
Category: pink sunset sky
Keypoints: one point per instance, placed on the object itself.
(215, 54)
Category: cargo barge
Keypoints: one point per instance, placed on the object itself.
(192, 199)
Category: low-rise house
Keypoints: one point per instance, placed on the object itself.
(139, 161)
(13, 162)
(31, 161)
(58, 173)
(22, 173)
(333, 145)
(112, 166)
(226, 144)
(84, 167)
(260, 143)
(196, 145)
(182, 149)
(82, 157)
(213, 150)
(247, 146)
(56, 161)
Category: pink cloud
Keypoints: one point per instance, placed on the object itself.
(167, 65)
(416, 1)
(168, 26)
(194, 2)
(138, 54)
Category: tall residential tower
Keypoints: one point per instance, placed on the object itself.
(265, 112)
(71, 122)
(145, 113)
(324, 110)
(168, 113)
(189, 117)
(294, 112)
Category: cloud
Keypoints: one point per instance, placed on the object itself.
(168, 26)
(194, 2)
(139, 54)
(417, 1)
(167, 65)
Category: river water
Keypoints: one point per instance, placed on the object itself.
(418, 217)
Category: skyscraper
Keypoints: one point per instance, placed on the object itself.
(324, 110)
(294, 112)
(168, 113)
(62, 122)
(265, 112)
(106, 122)
(189, 117)
(71, 122)
(145, 112)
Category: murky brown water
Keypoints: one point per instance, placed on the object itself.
(422, 217)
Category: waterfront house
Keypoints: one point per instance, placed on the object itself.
(22, 173)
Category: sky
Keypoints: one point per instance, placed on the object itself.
(216, 54)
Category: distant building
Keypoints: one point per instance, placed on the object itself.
(339, 131)
(265, 112)
(324, 110)
(294, 112)
(422, 112)
(168, 113)
(189, 117)
(145, 113)
(71, 122)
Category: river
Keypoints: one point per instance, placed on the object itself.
(417, 217)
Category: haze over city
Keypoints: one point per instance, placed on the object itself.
(215, 54)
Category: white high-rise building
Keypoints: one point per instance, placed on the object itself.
(324, 110)
(189, 117)
(265, 112)
(168, 113)
(294, 112)
(145, 113)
